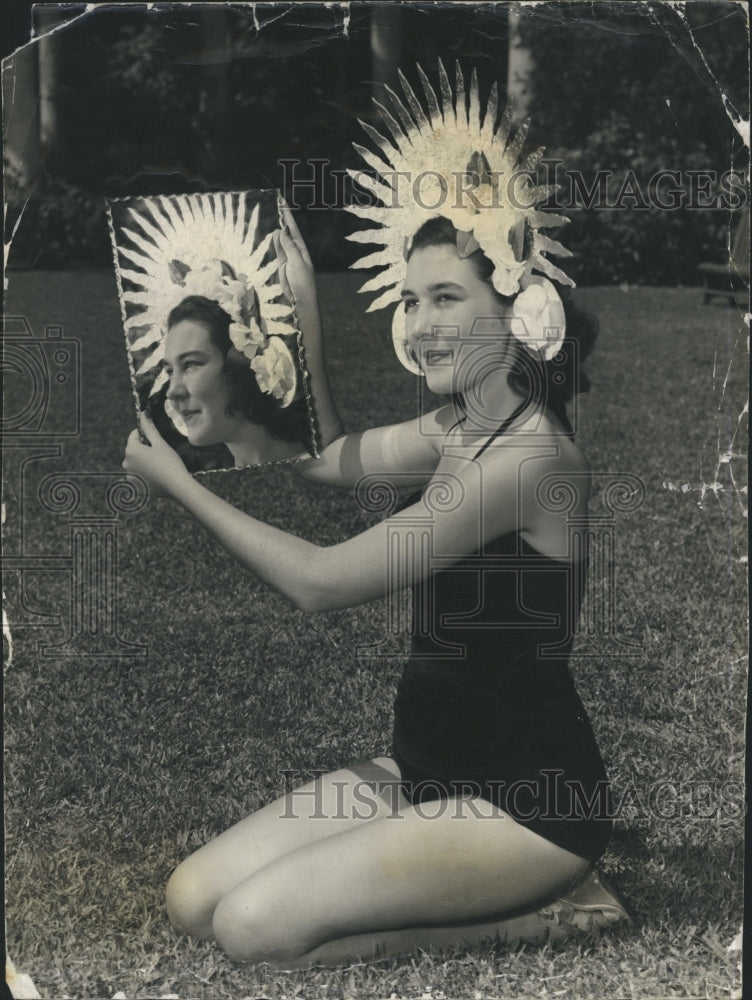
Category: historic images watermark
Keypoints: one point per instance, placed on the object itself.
(43, 397)
(547, 796)
(316, 185)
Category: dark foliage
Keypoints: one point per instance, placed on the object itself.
(156, 102)
(632, 95)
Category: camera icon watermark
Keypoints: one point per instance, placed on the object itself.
(475, 360)
(41, 382)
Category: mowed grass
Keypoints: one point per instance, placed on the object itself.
(116, 769)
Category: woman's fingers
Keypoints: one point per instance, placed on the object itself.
(292, 228)
(282, 243)
(288, 245)
(148, 429)
(285, 246)
(288, 220)
(148, 455)
(132, 442)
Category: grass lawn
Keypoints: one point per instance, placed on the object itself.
(116, 769)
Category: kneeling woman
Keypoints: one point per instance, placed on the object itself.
(488, 725)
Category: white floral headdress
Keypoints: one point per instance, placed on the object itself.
(453, 160)
(203, 244)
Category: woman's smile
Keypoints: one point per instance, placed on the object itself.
(437, 356)
(198, 388)
(446, 305)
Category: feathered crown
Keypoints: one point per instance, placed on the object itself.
(453, 158)
(169, 247)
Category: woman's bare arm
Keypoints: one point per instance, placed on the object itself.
(406, 453)
(453, 518)
(409, 449)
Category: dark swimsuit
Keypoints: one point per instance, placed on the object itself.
(486, 705)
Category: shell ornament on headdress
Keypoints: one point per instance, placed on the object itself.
(171, 246)
(453, 159)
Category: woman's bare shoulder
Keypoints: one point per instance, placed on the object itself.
(443, 419)
(534, 452)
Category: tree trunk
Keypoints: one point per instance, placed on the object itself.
(214, 87)
(519, 67)
(49, 49)
(386, 46)
(21, 121)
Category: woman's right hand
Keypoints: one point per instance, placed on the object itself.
(156, 462)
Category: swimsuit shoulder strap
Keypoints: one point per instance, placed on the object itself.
(502, 428)
(506, 424)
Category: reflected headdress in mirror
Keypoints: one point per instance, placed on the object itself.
(169, 247)
(454, 159)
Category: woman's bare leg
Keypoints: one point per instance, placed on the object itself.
(446, 863)
(329, 805)
(527, 927)
(588, 905)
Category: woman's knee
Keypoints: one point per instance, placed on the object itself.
(250, 929)
(190, 900)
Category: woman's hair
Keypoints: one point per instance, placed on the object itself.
(246, 398)
(559, 382)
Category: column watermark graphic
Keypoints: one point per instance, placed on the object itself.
(587, 570)
(93, 624)
(42, 385)
(592, 555)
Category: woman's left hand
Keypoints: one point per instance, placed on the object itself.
(158, 463)
(296, 272)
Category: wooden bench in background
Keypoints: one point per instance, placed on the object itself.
(731, 279)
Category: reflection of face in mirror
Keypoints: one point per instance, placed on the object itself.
(198, 388)
(216, 355)
(213, 396)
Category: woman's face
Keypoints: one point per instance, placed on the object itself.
(453, 320)
(198, 387)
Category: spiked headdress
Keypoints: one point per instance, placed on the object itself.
(454, 159)
(169, 247)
